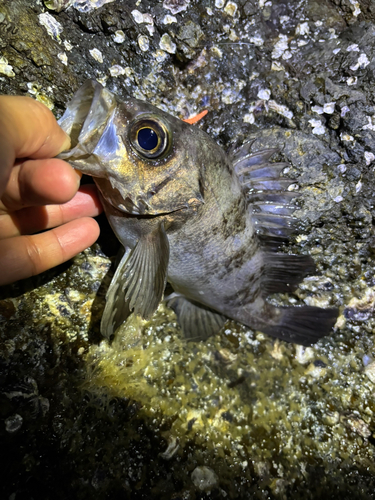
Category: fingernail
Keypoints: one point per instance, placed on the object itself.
(79, 175)
(66, 144)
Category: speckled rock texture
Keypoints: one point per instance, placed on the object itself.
(240, 416)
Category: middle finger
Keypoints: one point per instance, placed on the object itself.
(34, 219)
(39, 182)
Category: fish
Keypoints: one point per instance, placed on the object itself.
(188, 213)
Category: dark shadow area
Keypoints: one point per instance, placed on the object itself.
(27, 285)
(111, 247)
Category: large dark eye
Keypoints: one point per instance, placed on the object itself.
(149, 137)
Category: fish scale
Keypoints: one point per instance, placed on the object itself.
(190, 214)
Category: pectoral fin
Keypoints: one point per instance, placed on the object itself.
(139, 281)
(197, 321)
(116, 308)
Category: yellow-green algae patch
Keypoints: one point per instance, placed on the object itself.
(241, 396)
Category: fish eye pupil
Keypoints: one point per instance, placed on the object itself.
(147, 139)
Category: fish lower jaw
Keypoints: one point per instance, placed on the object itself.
(135, 213)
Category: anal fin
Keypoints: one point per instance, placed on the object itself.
(197, 321)
(283, 272)
(303, 325)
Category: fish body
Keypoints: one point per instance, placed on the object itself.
(190, 214)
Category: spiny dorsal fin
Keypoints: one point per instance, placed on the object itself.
(197, 321)
(270, 202)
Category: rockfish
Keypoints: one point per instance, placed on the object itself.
(188, 213)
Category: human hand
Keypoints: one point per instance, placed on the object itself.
(39, 192)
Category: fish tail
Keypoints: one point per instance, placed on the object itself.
(302, 325)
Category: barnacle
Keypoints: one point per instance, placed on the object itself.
(58, 5)
(81, 5)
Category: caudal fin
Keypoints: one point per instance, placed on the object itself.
(303, 325)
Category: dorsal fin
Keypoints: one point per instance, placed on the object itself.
(243, 156)
(270, 203)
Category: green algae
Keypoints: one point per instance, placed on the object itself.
(258, 401)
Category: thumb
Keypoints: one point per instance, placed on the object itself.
(31, 128)
(28, 129)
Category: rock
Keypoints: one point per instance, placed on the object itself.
(13, 423)
(204, 478)
(370, 371)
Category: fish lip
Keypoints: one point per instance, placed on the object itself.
(121, 209)
(151, 216)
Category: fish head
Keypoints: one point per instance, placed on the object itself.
(144, 160)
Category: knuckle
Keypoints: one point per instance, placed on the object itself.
(34, 255)
(59, 247)
(61, 215)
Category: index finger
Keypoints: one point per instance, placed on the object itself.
(28, 129)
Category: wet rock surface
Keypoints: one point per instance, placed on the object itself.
(241, 415)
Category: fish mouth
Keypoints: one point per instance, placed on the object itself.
(133, 215)
(126, 205)
(123, 211)
(144, 215)
(154, 216)
(85, 118)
